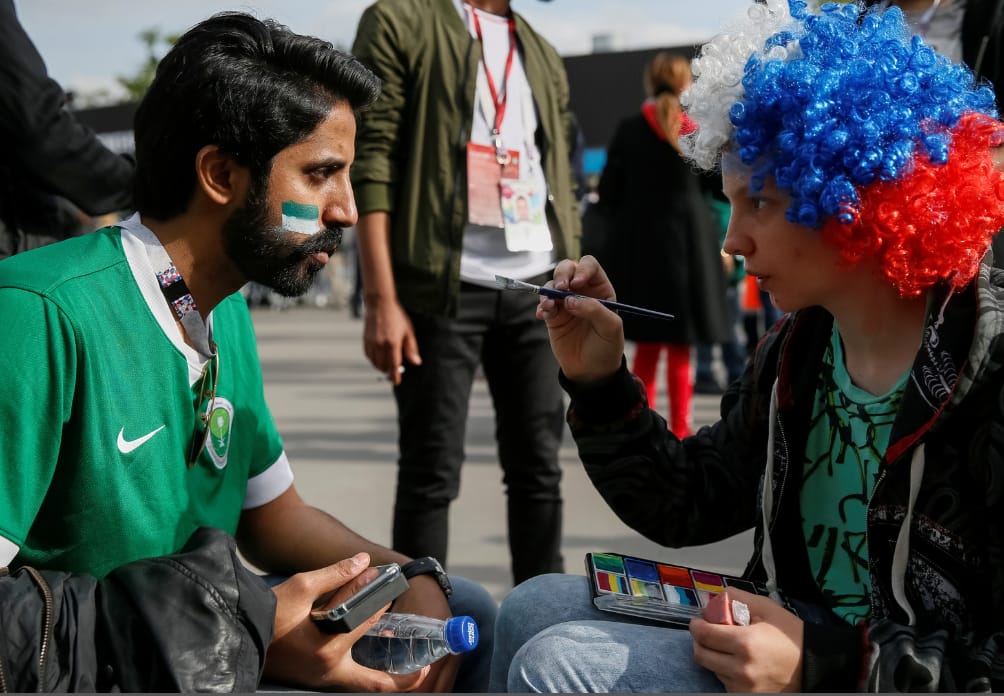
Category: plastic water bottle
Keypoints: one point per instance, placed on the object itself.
(405, 643)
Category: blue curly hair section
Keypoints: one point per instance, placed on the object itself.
(842, 99)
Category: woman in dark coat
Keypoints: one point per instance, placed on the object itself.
(662, 248)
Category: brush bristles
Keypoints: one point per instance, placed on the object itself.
(513, 284)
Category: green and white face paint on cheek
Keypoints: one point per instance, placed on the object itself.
(300, 217)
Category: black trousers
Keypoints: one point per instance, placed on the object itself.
(498, 330)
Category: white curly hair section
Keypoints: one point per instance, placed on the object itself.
(718, 73)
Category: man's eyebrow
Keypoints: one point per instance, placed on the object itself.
(326, 161)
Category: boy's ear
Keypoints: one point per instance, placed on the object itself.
(219, 177)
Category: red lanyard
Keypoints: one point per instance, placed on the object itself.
(498, 101)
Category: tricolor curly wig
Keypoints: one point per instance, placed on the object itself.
(883, 144)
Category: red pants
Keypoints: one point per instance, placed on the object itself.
(679, 382)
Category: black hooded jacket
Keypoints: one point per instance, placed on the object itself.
(935, 538)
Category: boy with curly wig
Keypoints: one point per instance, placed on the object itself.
(864, 442)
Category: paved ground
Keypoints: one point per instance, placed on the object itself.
(337, 417)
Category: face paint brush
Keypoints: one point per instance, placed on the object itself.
(520, 286)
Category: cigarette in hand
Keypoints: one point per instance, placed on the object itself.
(400, 371)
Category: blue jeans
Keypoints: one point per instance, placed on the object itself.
(550, 638)
(471, 599)
(468, 599)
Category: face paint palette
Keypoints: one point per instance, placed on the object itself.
(653, 590)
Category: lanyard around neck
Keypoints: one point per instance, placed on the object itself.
(498, 99)
(179, 297)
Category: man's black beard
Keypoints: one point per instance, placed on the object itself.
(265, 254)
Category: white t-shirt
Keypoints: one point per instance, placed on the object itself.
(484, 249)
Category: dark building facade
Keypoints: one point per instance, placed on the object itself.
(606, 87)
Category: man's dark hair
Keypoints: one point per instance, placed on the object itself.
(251, 87)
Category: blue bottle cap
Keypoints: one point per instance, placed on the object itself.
(461, 634)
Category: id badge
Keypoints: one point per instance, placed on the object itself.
(484, 176)
(523, 214)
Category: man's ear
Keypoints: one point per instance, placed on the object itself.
(219, 177)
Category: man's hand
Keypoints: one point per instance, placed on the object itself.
(765, 656)
(302, 655)
(587, 338)
(389, 338)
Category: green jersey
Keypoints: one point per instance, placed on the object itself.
(101, 403)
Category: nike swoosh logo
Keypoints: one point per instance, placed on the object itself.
(127, 446)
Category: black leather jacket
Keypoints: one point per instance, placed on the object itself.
(197, 620)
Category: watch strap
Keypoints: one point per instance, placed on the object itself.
(427, 565)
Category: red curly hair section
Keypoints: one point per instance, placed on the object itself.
(934, 224)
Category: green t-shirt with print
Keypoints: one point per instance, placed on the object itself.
(848, 437)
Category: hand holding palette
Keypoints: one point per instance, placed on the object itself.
(657, 591)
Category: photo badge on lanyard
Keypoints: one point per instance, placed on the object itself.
(523, 213)
(498, 197)
(485, 172)
(498, 193)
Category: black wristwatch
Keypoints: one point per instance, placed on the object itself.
(427, 565)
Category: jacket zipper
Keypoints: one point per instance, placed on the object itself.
(868, 543)
(776, 502)
(46, 625)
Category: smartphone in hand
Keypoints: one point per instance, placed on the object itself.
(388, 584)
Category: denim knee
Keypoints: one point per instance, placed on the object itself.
(609, 656)
(542, 601)
(471, 599)
(531, 607)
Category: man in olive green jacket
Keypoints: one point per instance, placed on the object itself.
(445, 132)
